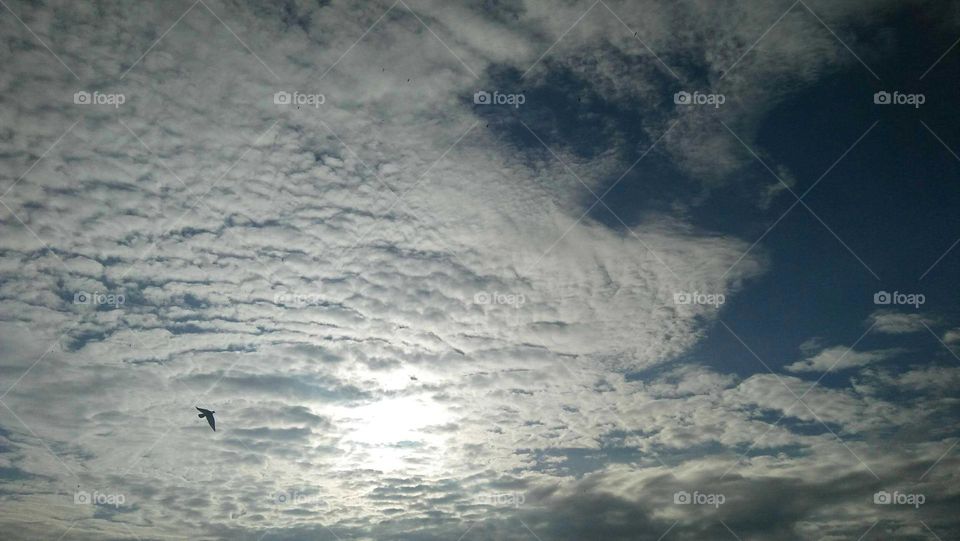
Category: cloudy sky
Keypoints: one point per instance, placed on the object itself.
(480, 270)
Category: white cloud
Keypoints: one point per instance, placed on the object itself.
(840, 358)
(951, 336)
(889, 322)
(317, 395)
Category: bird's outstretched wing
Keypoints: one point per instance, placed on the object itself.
(203, 411)
(213, 424)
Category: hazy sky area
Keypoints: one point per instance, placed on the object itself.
(480, 270)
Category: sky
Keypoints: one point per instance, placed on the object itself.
(480, 270)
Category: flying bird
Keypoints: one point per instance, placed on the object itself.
(209, 415)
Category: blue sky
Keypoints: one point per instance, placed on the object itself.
(476, 270)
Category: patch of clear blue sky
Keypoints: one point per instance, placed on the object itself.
(893, 200)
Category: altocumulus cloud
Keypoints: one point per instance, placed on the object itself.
(293, 267)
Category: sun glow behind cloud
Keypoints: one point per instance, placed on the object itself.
(388, 434)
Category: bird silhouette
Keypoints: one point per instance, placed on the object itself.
(209, 415)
